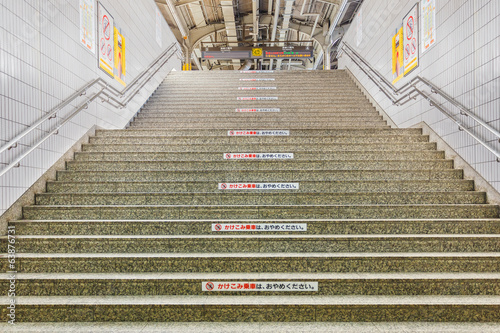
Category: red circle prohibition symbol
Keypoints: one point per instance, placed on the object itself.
(106, 27)
(228, 156)
(103, 46)
(231, 132)
(413, 46)
(218, 227)
(223, 186)
(409, 27)
(407, 51)
(209, 286)
(110, 52)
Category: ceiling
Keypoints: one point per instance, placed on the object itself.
(215, 23)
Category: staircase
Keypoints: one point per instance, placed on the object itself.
(308, 208)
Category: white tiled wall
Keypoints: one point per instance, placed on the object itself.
(42, 62)
(465, 63)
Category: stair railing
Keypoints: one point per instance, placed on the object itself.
(112, 96)
(411, 92)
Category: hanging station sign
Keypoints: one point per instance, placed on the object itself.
(297, 52)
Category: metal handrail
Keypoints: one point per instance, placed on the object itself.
(411, 84)
(105, 88)
(410, 89)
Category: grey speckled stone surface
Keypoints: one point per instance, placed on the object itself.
(394, 233)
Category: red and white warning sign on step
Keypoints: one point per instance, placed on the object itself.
(258, 186)
(259, 227)
(259, 133)
(258, 156)
(265, 98)
(259, 110)
(410, 33)
(107, 40)
(297, 286)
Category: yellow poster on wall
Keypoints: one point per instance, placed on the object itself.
(120, 63)
(397, 56)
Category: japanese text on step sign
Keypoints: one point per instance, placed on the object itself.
(260, 286)
(262, 227)
(259, 133)
(261, 156)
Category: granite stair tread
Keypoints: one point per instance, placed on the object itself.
(255, 276)
(255, 255)
(249, 327)
(133, 225)
(262, 237)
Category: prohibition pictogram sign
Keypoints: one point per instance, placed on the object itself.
(218, 227)
(106, 27)
(231, 132)
(223, 186)
(409, 28)
(110, 52)
(103, 46)
(209, 286)
(407, 51)
(413, 46)
(228, 156)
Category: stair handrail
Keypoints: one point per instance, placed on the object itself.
(110, 92)
(410, 88)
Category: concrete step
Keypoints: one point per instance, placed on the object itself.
(205, 227)
(282, 103)
(243, 119)
(261, 124)
(267, 140)
(190, 284)
(257, 263)
(262, 147)
(235, 116)
(188, 212)
(216, 156)
(269, 198)
(256, 243)
(231, 176)
(249, 327)
(304, 186)
(233, 94)
(229, 165)
(186, 89)
(232, 114)
(295, 133)
(229, 109)
(258, 308)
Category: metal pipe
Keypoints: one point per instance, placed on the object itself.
(275, 27)
(336, 21)
(20, 158)
(175, 15)
(310, 15)
(433, 102)
(49, 115)
(434, 89)
(75, 95)
(255, 17)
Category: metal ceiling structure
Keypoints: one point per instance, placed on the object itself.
(233, 23)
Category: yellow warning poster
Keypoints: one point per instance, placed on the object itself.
(120, 63)
(397, 56)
